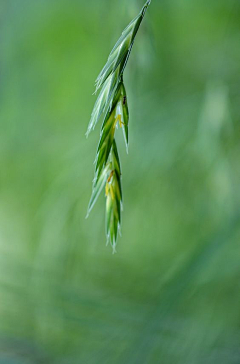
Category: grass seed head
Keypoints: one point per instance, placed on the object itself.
(112, 102)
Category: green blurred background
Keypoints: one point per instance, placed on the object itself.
(171, 294)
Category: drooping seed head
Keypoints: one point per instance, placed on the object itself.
(112, 102)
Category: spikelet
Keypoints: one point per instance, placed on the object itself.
(113, 192)
(117, 115)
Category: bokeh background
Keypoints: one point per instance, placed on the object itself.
(171, 294)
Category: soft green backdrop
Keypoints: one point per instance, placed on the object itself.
(171, 295)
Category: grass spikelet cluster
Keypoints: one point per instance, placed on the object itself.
(112, 103)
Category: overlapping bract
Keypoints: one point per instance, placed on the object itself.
(118, 113)
(112, 101)
(113, 193)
